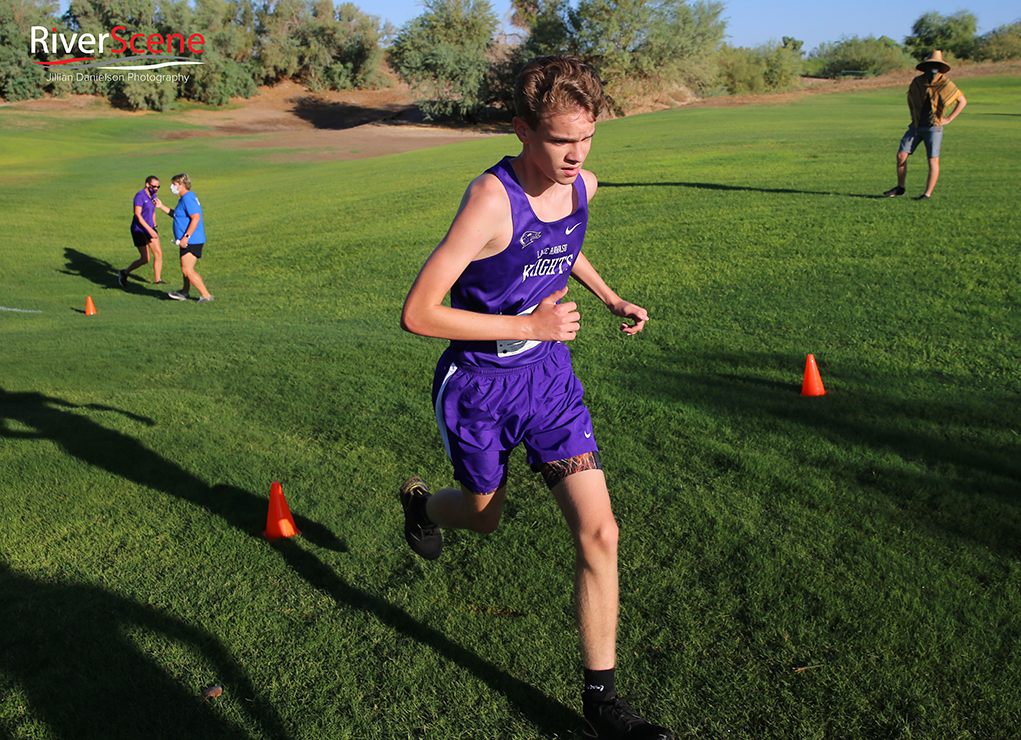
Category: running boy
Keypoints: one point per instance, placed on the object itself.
(506, 377)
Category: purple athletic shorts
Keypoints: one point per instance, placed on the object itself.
(484, 413)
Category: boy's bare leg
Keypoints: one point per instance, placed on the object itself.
(902, 176)
(902, 169)
(585, 503)
(930, 183)
(454, 509)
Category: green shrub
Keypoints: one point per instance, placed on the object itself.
(766, 68)
(20, 79)
(633, 42)
(220, 79)
(741, 71)
(869, 55)
(140, 94)
(953, 33)
(444, 55)
(1001, 44)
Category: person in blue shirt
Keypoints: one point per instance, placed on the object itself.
(189, 235)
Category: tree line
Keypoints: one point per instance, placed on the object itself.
(244, 44)
(450, 54)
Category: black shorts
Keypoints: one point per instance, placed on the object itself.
(141, 238)
(195, 249)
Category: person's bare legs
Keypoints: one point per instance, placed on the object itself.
(902, 168)
(157, 260)
(930, 183)
(454, 509)
(902, 175)
(143, 259)
(585, 504)
(191, 276)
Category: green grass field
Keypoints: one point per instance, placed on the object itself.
(835, 567)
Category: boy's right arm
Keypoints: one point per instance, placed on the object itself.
(481, 228)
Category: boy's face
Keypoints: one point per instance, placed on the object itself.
(560, 143)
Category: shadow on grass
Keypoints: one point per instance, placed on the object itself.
(54, 419)
(741, 188)
(339, 116)
(943, 443)
(69, 650)
(551, 718)
(104, 274)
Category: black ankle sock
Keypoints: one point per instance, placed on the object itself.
(598, 685)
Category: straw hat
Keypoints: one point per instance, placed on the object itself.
(935, 58)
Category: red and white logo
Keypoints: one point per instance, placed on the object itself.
(85, 47)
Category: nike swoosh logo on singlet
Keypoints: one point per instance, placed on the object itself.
(568, 232)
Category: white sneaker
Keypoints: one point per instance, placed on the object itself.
(177, 296)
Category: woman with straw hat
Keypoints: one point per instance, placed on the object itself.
(930, 96)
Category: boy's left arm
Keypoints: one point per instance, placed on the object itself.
(586, 274)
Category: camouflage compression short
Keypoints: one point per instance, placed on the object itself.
(556, 471)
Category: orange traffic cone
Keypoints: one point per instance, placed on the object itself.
(90, 307)
(813, 383)
(279, 522)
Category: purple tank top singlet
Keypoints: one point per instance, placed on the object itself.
(537, 262)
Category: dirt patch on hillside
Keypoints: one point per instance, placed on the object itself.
(293, 124)
(311, 127)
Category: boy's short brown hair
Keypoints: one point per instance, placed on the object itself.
(557, 84)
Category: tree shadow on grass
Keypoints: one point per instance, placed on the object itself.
(334, 116)
(734, 188)
(69, 649)
(54, 419)
(103, 274)
(944, 442)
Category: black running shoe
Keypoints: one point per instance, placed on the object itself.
(424, 537)
(614, 719)
(894, 192)
(121, 277)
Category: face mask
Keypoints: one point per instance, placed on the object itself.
(173, 189)
(930, 75)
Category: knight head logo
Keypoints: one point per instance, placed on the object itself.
(528, 237)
